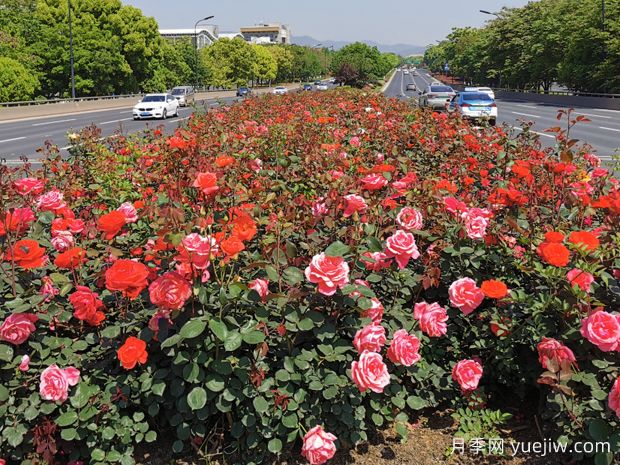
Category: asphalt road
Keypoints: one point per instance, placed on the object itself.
(602, 132)
(24, 137)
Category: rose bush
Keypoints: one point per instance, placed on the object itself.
(292, 272)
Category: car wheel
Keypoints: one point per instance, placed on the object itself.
(176, 113)
(164, 114)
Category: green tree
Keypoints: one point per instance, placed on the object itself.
(285, 60)
(16, 81)
(357, 64)
(230, 62)
(265, 67)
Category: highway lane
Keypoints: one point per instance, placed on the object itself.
(24, 137)
(602, 132)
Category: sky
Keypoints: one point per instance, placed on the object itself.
(412, 22)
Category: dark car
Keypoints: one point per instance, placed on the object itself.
(317, 83)
(243, 91)
(307, 87)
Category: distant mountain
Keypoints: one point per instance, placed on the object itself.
(399, 49)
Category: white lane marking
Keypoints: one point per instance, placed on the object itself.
(11, 140)
(525, 106)
(525, 114)
(115, 121)
(54, 122)
(535, 132)
(183, 119)
(20, 162)
(595, 116)
(609, 129)
(610, 111)
(123, 112)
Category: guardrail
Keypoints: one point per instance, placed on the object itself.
(27, 103)
(557, 92)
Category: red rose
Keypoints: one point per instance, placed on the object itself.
(128, 277)
(206, 182)
(584, 240)
(27, 253)
(580, 278)
(71, 259)
(111, 223)
(170, 291)
(27, 186)
(554, 253)
(232, 246)
(494, 289)
(16, 221)
(87, 306)
(374, 182)
(132, 352)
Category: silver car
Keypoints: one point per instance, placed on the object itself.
(184, 94)
(436, 97)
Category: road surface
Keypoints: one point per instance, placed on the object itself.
(602, 132)
(24, 137)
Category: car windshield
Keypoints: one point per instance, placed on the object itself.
(243, 88)
(178, 91)
(477, 96)
(441, 89)
(154, 98)
(484, 89)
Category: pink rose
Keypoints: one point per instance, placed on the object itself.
(170, 291)
(373, 182)
(48, 290)
(401, 245)
(359, 282)
(51, 201)
(354, 204)
(404, 348)
(159, 315)
(55, 382)
(614, 398)
(370, 372)
(16, 329)
(375, 261)
(355, 141)
(603, 330)
(476, 222)
(319, 208)
(375, 313)
(410, 219)
(24, 364)
(580, 278)
(553, 355)
(197, 250)
(318, 446)
(467, 373)
(432, 318)
(256, 164)
(63, 240)
(466, 295)
(130, 212)
(370, 337)
(330, 273)
(27, 186)
(405, 182)
(261, 286)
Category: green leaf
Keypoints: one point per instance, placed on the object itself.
(171, 341)
(233, 341)
(197, 398)
(111, 332)
(151, 436)
(253, 337)
(603, 458)
(260, 404)
(215, 382)
(219, 329)
(599, 430)
(416, 403)
(6, 353)
(67, 418)
(192, 329)
(14, 435)
(274, 446)
(97, 455)
(337, 249)
(290, 421)
(68, 434)
(4, 393)
(306, 324)
(293, 276)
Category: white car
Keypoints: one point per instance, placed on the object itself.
(484, 90)
(280, 90)
(156, 106)
(406, 71)
(322, 86)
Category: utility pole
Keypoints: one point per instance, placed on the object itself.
(196, 48)
(71, 52)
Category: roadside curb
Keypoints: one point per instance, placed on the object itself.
(389, 82)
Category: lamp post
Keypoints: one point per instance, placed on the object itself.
(196, 47)
(71, 51)
(331, 47)
(489, 13)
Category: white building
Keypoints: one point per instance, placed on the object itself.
(230, 35)
(272, 33)
(204, 35)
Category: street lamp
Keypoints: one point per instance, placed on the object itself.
(71, 52)
(196, 47)
(489, 13)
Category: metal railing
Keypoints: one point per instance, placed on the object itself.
(65, 100)
(556, 92)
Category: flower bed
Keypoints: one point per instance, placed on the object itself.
(290, 272)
